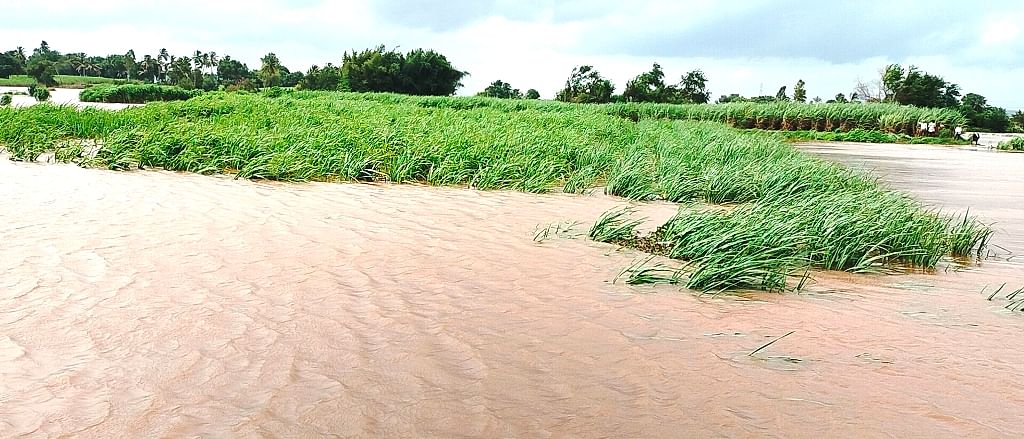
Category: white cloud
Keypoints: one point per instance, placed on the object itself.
(535, 43)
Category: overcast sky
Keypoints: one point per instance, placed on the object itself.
(750, 47)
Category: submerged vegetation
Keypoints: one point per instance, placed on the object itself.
(868, 136)
(136, 93)
(1014, 144)
(792, 212)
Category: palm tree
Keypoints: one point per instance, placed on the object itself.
(270, 71)
(129, 63)
(165, 63)
(150, 67)
(212, 62)
(197, 59)
(20, 54)
(78, 62)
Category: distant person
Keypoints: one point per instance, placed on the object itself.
(959, 132)
(931, 127)
(975, 137)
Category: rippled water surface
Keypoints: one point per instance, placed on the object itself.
(155, 304)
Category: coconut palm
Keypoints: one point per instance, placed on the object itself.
(165, 62)
(129, 63)
(270, 71)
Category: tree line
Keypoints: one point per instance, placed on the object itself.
(426, 72)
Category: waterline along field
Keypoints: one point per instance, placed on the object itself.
(792, 212)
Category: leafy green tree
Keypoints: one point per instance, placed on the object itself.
(149, 69)
(732, 97)
(130, 66)
(911, 86)
(586, 85)
(373, 70)
(649, 87)
(781, 95)
(43, 71)
(270, 70)
(10, 65)
(180, 73)
(327, 78)
(693, 89)
(428, 73)
(420, 72)
(164, 58)
(231, 71)
(534, 94)
(501, 89)
(290, 78)
(799, 91)
(1018, 120)
(980, 115)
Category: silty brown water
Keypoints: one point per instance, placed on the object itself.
(154, 304)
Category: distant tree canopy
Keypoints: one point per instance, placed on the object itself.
(503, 90)
(327, 78)
(419, 72)
(981, 115)
(43, 71)
(800, 91)
(911, 86)
(586, 86)
(10, 64)
(532, 94)
(651, 87)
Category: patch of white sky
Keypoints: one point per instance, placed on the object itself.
(532, 44)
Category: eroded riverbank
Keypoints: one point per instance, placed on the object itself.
(163, 304)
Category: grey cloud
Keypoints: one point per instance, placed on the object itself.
(837, 32)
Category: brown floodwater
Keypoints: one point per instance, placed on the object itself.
(156, 304)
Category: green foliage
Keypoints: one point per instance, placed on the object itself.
(532, 94)
(693, 88)
(649, 87)
(135, 93)
(586, 86)
(800, 91)
(10, 64)
(5, 100)
(870, 136)
(1014, 144)
(911, 86)
(420, 72)
(231, 71)
(43, 72)
(327, 78)
(781, 95)
(270, 70)
(40, 92)
(502, 90)
(615, 226)
(791, 116)
(982, 116)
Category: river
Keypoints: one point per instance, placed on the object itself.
(158, 304)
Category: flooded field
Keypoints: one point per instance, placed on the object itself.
(156, 304)
(58, 96)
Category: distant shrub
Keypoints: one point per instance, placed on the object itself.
(40, 92)
(5, 100)
(136, 93)
(273, 92)
(1014, 144)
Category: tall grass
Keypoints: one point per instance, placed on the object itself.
(793, 211)
(64, 81)
(135, 93)
(1014, 144)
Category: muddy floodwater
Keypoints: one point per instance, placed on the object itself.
(156, 304)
